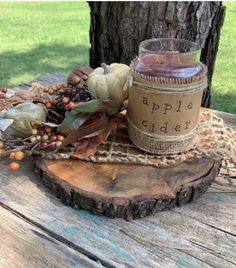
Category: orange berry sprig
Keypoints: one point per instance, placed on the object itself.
(43, 93)
(53, 89)
(43, 136)
(51, 103)
(1, 145)
(14, 166)
(19, 155)
(76, 91)
(2, 149)
(12, 155)
(16, 156)
(70, 106)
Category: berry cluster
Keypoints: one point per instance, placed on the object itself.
(69, 105)
(46, 137)
(66, 98)
(2, 150)
(54, 89)
(77, 91)
(3, 92)
(46, 91)
(15, 156)
(43, 137)
(57, 99)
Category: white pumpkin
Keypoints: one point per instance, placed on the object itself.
(110, 82)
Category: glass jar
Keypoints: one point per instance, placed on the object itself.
(168, 57)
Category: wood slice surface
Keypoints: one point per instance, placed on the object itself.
(126, 190)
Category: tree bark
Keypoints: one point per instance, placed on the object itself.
(118, 27)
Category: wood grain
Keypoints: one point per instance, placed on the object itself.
(126, 190)
(25, 246)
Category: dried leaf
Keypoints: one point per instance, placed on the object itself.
(94, 124)
(81, 145)
(89, 151)
(5, 104)
(5, 123)
(29, 94)
(21, 96)
(89, 147)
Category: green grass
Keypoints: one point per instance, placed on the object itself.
(224, 79)
(40, 37)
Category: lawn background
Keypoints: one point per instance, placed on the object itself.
(36, 38)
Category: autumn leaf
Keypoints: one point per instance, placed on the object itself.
(20, 96)
(92, 126)
(81, 113)
(88, 147)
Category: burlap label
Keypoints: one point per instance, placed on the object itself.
(164, 113)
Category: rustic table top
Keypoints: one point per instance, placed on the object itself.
(38, 231)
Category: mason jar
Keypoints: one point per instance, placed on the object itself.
(165, 95)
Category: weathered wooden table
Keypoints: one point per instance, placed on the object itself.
(37, 230)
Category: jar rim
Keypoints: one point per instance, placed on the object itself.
(196, 48)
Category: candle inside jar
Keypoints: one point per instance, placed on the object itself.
(168, 57)
(168, 64)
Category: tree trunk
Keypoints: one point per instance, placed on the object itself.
(118, 27)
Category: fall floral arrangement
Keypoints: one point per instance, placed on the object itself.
(71, 117)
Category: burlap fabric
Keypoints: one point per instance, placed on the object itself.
(163, 112)
(214, 140)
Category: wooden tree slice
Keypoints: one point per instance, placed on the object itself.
(126, 190)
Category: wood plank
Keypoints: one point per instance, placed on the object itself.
(50, 79)
(47, 79)
(173, 229)
(25, 246)
(217, 210)
(112, 241)
(229, 118)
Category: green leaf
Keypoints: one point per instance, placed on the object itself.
(110, 107)
(72, 122)
(84, 110)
